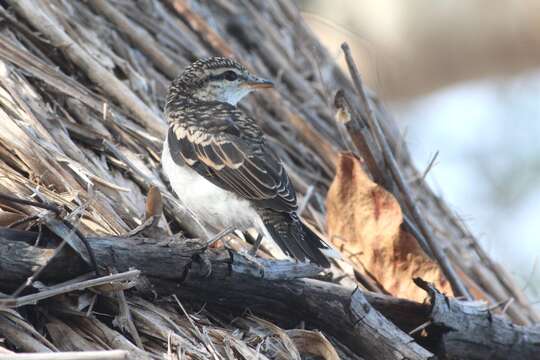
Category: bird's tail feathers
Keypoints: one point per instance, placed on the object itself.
(296, 239)
(328, 250)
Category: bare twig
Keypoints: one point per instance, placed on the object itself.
(70, 234)
(305, 200)
(420, 327)
(34, 298)
(457, 285)
(203, 337)
(38, 272)
(125, 320)
(219, 235)
(430, 165)
(23, 221)
(13, 199)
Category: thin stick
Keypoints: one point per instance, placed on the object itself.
(305, 200)
(358, 133)
(219, 235)
(510, 301)
(204, 339)
(89, 250)
(458, 287)
(23, 221)
(421, 327)
(34, 298)
(55, 209)
(430, 165)
(71, 355)
(38, 272)
(125, 314)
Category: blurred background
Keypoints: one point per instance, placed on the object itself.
(462, 78)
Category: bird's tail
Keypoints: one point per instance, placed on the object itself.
(295, 238)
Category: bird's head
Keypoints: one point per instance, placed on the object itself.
(216, 79)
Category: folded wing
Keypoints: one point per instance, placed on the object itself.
(227, 148)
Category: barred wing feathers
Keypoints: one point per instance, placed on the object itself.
(226, 147)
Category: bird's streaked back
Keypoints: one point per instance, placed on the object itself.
(219, 152)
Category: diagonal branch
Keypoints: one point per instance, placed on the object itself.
(457, 285)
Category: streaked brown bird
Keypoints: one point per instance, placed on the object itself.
(218, 164)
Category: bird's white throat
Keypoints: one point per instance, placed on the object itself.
(233, 95)
(226, 93)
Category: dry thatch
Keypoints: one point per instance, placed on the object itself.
(82, 86)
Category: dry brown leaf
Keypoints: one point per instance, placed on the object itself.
(154, 204)
(364, 220)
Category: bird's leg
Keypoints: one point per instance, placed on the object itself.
(219, 236)
(256, 245)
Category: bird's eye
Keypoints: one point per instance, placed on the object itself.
(230, 75)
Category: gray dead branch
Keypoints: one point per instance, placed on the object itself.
(369, 324)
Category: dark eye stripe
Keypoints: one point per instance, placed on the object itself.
(227, 75)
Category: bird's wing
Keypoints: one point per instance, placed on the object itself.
(225, 146)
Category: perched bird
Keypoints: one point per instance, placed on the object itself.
(218, 164)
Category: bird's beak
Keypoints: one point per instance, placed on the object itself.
(254, 82)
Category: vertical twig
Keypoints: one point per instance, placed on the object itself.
(457, 285)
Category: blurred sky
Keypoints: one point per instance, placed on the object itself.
(488, 168)
(463, 81)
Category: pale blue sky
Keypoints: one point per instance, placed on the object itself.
(488, 169)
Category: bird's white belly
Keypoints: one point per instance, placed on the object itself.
(213, 205)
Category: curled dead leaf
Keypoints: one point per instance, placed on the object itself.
(364, 220)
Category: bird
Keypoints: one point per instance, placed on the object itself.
(219, 165)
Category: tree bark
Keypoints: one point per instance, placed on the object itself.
(278, 289)
(470, 331)
(268, 287)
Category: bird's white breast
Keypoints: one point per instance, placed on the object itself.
(213, 205)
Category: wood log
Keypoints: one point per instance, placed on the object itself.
(470, 331)
(270, 287)
(372, 325)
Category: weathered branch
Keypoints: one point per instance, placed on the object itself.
(270, 287)
(470, 331)
(277, 289)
